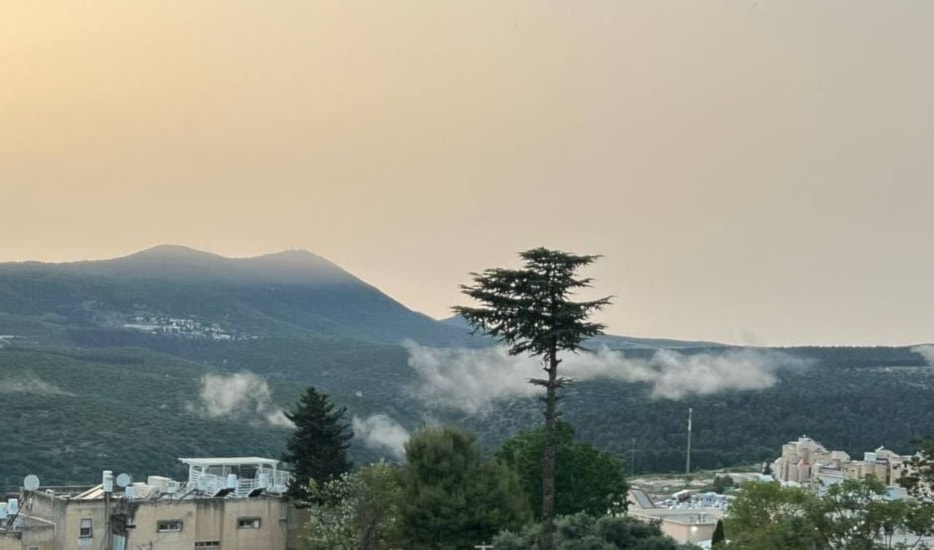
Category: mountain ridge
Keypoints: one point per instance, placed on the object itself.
(292, 293)
(326, 296)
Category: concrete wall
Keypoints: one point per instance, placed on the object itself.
(33, 535)
(688, 532)
(272, 525)
(205, 520)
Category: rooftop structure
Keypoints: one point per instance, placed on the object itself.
(231, 503)
(687, 520)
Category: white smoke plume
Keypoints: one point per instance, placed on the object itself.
(31, 385)
(926, 351)
(243, 393)
(382, 433)
(472, 380)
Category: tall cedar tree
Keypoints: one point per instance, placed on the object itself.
(530, 311)
(318, 448)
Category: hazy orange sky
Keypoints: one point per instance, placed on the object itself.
(753, 171)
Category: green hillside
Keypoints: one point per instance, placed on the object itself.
(102, 367)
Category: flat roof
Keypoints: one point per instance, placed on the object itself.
(675, 513)
(230, 461)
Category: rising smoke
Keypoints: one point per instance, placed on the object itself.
(926, 351)
(243, 394)
(382, 433)
(472, 380)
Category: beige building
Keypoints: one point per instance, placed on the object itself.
(808, 463)
(226, 503)
(688, 522)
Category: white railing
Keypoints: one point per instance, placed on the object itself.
(210, 484)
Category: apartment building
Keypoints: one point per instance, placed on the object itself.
(809, 463)
(226, 503)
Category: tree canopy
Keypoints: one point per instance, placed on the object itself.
(356, 511)
(849, 515)
(317, 450)
(454, 499)
(585, 532)
(586, 478)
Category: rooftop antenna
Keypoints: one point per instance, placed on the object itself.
(11, 508)
(31, 482)
(687, 464)
(123, 480)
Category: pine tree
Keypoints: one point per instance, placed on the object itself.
(452, 497)
(317, 450)
(530, 311)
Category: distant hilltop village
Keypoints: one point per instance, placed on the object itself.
(187, 327)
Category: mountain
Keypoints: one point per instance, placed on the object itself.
(294, 293)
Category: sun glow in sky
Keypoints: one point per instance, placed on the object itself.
(754, 172)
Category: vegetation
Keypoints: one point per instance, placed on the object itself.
(356, 511)
(587, 479)
(135, 410)
(851, 515)
(918, 477)
(317, 450)
(530, 311)
(452, 497)
(718, 540)
(584, 532)
(722, 484)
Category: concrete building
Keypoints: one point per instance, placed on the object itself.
(808, 463)
(226, 503)
(687, 521)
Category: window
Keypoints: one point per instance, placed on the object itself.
(248, 523)
(208, 544)
(85, 529)
(169, 525)
(32, 548)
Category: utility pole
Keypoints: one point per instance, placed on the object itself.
(687, 465)
(632, 459)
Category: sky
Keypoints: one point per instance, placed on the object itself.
(754, 172)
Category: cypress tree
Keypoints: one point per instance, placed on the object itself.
(719, 538)
(317, 450)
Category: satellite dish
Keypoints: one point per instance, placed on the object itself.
(31, 482)
(123, 480)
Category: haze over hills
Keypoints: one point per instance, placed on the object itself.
(119, 363)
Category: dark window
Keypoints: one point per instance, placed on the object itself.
(85, 530)
(169, 525)
(248, 523)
